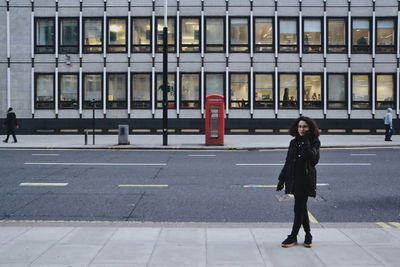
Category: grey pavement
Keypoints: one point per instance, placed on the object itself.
(177, 245)
(191, 141)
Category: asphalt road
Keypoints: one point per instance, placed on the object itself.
(359, 185)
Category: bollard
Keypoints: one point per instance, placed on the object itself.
(86, 137)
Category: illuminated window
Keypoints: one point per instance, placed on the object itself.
(68, 91)
(44, 96)
(190, 90)
(288, 35)
(264, 91)
(171, 34)
(141, 35)
(361, 36)
(264, 35)
(141, 90)
(337, 91)
(171, 93)
(239, 90)
(239, 35)
(312, 39)
(215, 35)
(361, 91)
(44, 36)
(312, 94)
(385, 36)
(116, 90)
(190, 35)
(385, 91)
(92, 90)
(117, 35)
(69, 35)
(93, 35)
(288, 91)
(337, 35)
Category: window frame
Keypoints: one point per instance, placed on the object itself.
(181, 18)
(370, 36)
(84, 19)
(346, 92)
(394, 101)
(205, 84)
(146, 104)
(205, 35)
(394, 51)
(108, 102)
(321, 102)
(180, 91)
(52, 103)
(60, 74)
(87, 104)
(272, 101)
(156, 102)
(53, 46)
(230, 35)
(109, 46)
(297, 106)
(296, 19)
(255, 46)
(149, 46)
(60, 47)
(369, 91)
(159, 48)
(346, 38)
(248, 91)
(321, 46)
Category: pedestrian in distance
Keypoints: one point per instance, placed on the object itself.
(11, 123)
(388, 120)
(299, 176)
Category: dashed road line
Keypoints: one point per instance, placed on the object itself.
(55, 155)
(269, 186)
(143, 185)
(383, 225)
(94, 164)
(43, 184)
(312, 218)
(319, 164)
(356, 155)
(201, 155)
(395, 224)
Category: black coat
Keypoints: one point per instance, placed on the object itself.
(299, 173)
(11, 120)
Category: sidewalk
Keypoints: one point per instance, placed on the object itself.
(191, 142)
(121, 244)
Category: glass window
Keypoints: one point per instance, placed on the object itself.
(190, 90)
(215, 84)
(171, 34)
(68, 91)
(215, 35)
(264, 91)
(141, 89)
(288, 35)
(264, 35)
(337, 91)
(116, 91)
(288, 91)
(312, 40)
(92, 90)
(312, 94)
(69, 35)
(141, 35)
(190, 38)
(385, 91)
(44, 91)
(361, 36)
(44, 35)
(239, 35)
(170, 90)
(361, 91)
(117, 35)
(337, 35)
(239, 93)
(385, 36)
(93, 31)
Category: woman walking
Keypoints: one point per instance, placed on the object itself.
(299, 176)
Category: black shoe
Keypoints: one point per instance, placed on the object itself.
(308, 241)
(14, 142)
(290, 241)
(5, 141)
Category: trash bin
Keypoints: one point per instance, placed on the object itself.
(123, 134)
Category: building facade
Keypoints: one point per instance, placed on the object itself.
(334, 60)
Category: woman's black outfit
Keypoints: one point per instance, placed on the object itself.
(11, 123)
(300, 178)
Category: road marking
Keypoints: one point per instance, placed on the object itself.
(320, 164)
(45, 154)
(396, 224)
(383, 225)
(201, 155)
(143, 185)
(269, 186)
(43, 184)
(355, 155)
(312, 218)
(95, 164)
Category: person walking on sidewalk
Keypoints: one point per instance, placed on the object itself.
(11, 123)
(299, 176)
(388, 125)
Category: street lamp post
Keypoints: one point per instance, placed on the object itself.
(165, 76)
(93, 118)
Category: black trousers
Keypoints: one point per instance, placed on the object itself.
(11, 131)
(388, 133)
(300, 215)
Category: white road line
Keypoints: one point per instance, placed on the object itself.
(45, 154)
(94, 164)
(143, 185)
(201, 155)
(355, 155)
(43, 184)
(320, 164)
(269, 186)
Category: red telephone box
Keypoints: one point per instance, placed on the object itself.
(215, 120)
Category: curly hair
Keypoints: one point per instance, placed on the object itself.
(314, 130)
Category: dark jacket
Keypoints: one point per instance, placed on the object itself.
(299, 168)
(11, 120)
